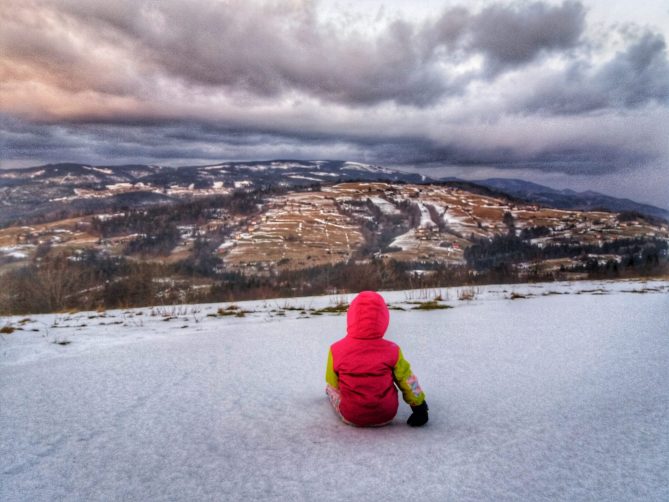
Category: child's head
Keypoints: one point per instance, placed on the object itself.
(368, 316)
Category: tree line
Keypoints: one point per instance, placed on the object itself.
(92, 280)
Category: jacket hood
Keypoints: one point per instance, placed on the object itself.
(367, 317)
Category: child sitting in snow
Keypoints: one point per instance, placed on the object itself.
(363, 369)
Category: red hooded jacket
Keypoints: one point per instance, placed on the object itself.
(365, 367)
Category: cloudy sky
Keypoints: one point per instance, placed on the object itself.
(571, 94)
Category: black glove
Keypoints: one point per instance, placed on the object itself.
(419, 415)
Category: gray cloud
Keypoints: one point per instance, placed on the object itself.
(511, 35)
(273, 49)
(508, 86)
(638, 75)
(184, 142)
(262, 49)
(635, 77)
(173, 143)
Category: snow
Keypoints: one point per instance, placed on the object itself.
(563, 395)
(405, 241)
(16, 251)
(226, 245)
(358, 166)
(253, 168)
(425, 218)
(420, 272)
(300, 177)
(99, 169)
(290, 165)
(107, 217)
(120, 186)
(385, 206)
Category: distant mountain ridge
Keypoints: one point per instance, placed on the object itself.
(28, 190)
(291, 172)
(569, 199)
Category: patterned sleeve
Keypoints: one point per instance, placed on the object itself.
(330, 375)
(407, 382)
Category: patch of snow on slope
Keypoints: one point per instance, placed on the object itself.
(385, 206)
(291, 165)
(14, 254)
(425, 218)
(243, 184)
(405, 241)
(253, 167)
(357, 166)
(99, 169)
(16, 251)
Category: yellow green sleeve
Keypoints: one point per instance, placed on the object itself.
(407, 382)
(330, 375)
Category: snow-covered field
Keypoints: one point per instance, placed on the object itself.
(560, 395)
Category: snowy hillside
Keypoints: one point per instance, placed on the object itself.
(536, 392)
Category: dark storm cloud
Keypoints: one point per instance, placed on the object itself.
(510, 35)
(591, 157)
(524, 84)
(633, 78)
(176, 143)
(185, 142)
(261, 49)
(270, 49)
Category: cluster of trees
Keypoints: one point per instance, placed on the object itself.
(92, 280)
(89, 281)
(502, 251)
(157, 226)
(534, 232)
(56, 281)
(382, 229)
(158, 242)
(188, 212)
(485, 254)
(374, 274)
